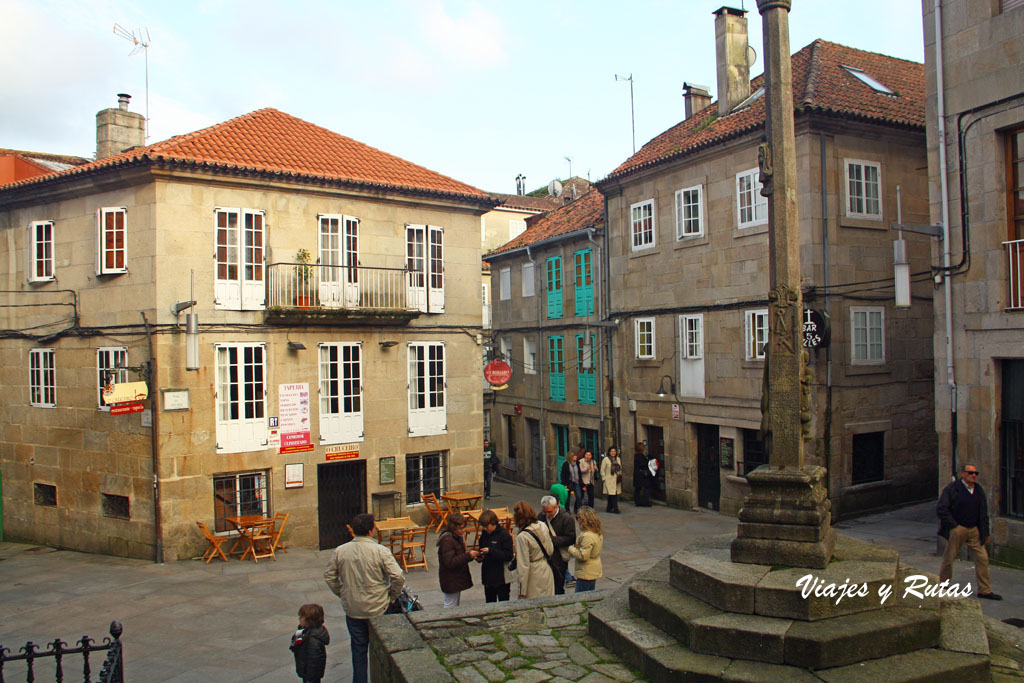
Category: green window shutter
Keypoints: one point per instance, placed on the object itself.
(554, 286)
(584, 280)
(556, 368)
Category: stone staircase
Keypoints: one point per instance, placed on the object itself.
(698, 616)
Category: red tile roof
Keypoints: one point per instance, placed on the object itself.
(527, 203)
(820, 85)
(268, 141)
(585, 212)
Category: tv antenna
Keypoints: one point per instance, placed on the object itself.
(140, 43)
(569, 159)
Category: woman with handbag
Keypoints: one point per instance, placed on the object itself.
(533, 548)
(611, 475)
(496, 552)
(454, 560)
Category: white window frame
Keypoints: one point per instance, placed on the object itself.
(424, 253)
(529, 284)
(684, 224)
(259, 486)
(42, 378)
(529, 356)
(862, 183)
(505, 284)
(641, 236)
(505, 349)
(516, 228)
(427, 389)
(246, 291)
(340, 392)
(485, 302)
(109, 358)
(691, 355)
(241, 433)
(644, 338)
(102, 250)
(871, 315)
(748, 185)
(338, 258)
(40, 266)
(755, 333)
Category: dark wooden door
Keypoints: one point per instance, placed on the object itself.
(709, 486)
(656, 447)
(341, 495)
(510, 434)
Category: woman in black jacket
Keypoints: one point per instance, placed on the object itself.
(309, 644)
(495, 551)
(454, 559)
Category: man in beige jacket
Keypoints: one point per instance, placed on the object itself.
(365, 575)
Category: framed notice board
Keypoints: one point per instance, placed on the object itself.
(725, 451)
(387, 470)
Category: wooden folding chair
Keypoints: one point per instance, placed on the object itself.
(215, 543)
(280, 519)
(437, 514)
(411, 546)
(261, 541)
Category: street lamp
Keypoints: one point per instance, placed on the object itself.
(632, 111)
(671, 386)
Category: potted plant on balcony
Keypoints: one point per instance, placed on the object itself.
(303, 277)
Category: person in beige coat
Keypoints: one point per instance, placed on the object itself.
(611, 476)
(587, 549)
(535, 577)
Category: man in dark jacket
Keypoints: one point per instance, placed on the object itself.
(963, 518)
(563, 534)
(641, 477)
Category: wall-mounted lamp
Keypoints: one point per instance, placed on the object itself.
(388, 344)
(192, 341)
(296, 346)
(671, 386)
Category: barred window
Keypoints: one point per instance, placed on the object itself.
(425, 473)
(238, 495)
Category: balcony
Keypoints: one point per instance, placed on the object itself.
(299, 293)
(1015, 274)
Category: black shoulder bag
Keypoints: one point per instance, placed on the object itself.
(554, 570)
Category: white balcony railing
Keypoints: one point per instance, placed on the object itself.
(1015, 273)
(355, 288)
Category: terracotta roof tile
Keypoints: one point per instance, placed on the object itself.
(585, 212)
(521, 201)
(270, 141)
(819, 84)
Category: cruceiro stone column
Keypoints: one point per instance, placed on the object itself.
(786, 518)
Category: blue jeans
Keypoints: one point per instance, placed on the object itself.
(577, 501)
(585, 585)
(359, 634)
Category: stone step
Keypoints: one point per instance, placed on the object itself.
(931, 666)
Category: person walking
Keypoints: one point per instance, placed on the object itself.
(490, 467)
(963, 518)
(570, 479)
(641, 478)
(495, 552)
(365, 575)
(587, 549)
(309, 644)
(588, 475)
(453, 559)
(611, 475)
(563, 534)
(533, 548)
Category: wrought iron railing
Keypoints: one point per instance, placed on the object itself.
(365, 288)
(1015, 273)
(111, 671)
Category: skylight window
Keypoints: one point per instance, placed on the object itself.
(871, 82)
(750, 100)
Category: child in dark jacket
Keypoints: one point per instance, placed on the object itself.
(309, 644)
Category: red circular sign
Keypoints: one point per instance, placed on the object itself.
(497, 372)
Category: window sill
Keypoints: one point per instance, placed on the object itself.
(853, 369)
(753, 363)
(645, 251)
(752, 229)
(868, 223)
(867, 486)
(647, 362)
(41, 280)
(690, 241)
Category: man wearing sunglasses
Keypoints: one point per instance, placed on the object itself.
(963, 518)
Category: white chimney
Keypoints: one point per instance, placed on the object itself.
(731, 55)
(119, 129)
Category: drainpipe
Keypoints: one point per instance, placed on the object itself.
(609, 338)
(158, 534)
(947, 275)
(600, 331)
(828, 350)
(537, 281)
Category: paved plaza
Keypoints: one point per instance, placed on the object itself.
(188, 621)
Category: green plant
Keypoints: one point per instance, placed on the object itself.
(304, 271)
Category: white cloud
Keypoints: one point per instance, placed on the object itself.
(473, 40)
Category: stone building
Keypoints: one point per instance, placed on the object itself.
(977, 190)
(547, 304)
(337, 351)
(686, 246)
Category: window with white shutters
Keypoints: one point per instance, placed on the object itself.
(40, 251)
(756, 333)
(42, 378)
(424, 247)
(691, 347)
(751, 205)
(339, 261)
(341, 392)
(241, 397)
(111, 363)
(427, 389)
(111, 241)
(239, 254)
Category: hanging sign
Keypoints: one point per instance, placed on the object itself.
(126, 408)
(293, 403)
(498, 373)
(817, 330)
(124, 392)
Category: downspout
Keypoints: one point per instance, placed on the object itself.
(609, 348)
(944, 202)
(828, 350)
(158, 535)
(540, 375)
(600, 331)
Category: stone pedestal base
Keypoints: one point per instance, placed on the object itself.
(786, 520)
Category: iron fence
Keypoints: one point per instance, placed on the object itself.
(111, 671)
(320, 287)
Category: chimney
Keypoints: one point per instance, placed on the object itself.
(731, 55)
(119, 129)
(695, 98)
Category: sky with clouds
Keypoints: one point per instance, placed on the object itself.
(480, 91)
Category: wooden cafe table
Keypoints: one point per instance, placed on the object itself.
(249, 529)
(391, 525)
(462, 502)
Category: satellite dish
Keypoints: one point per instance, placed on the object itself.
(751, 56)
(555, 188)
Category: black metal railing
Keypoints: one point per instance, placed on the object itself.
(112, 670)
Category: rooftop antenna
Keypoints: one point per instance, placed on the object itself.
(141, 43)
(632, 110)
(569, 159)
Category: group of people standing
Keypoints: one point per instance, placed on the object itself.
(580, 473)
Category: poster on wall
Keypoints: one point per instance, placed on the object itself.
(293, 403)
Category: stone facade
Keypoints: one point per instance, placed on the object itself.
(86, 454)
(983, 82)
